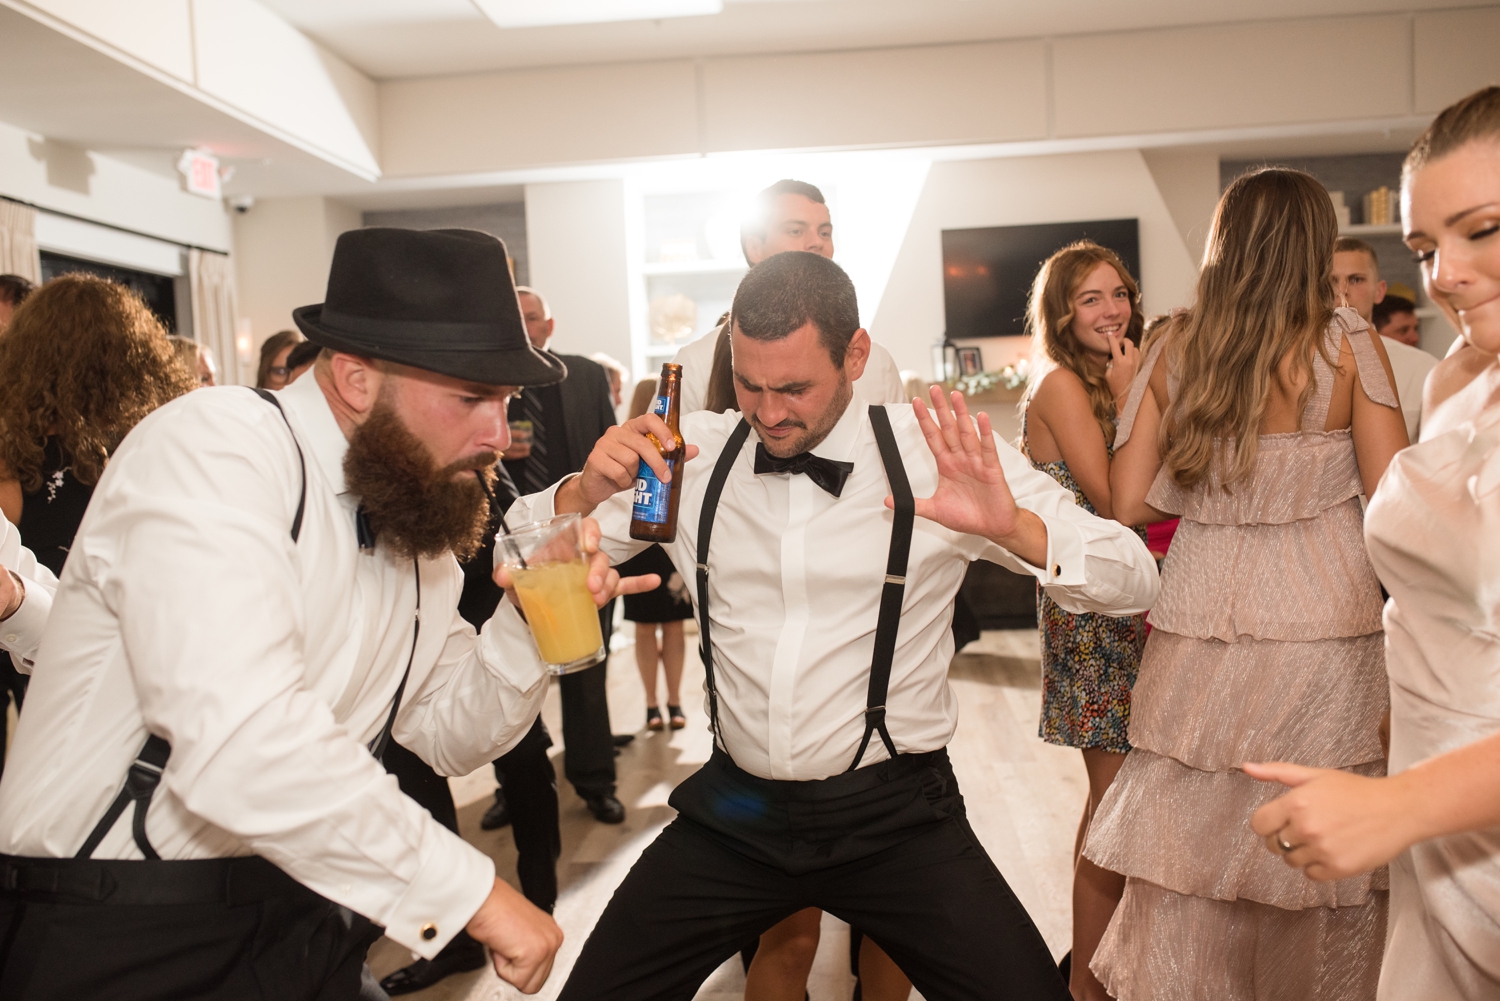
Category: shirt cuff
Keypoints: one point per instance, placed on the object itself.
(21, 634)
(1064, 555)
(446, 892)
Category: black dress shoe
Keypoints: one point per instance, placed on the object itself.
(461, 955)
(606, 809)
(496, 817)
(621, 739)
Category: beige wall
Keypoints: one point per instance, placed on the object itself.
(1020, 191)
(1288, 73)
(79, 182)
(282, 249)
(577, 255)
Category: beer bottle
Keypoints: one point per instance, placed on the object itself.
(654, 515)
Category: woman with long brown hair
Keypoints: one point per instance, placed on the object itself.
(1085, 320)
(1433, 530)
(84, 361)
(1260, 416)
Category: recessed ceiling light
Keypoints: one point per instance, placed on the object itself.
(535, 13)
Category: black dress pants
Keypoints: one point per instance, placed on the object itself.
(887, 848)
(589, 758)
(264, 938)
(529, 784)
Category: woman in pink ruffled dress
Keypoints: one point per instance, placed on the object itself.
(1434, 535)
(1259, 417)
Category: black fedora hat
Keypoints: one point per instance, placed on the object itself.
(441, 300)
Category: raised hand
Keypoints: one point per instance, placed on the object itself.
(972, 495)
(612, 465)
(604, 581)
(1124, 362)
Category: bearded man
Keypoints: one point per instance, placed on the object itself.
(262, 594)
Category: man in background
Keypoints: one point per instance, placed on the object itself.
(1356, 279)
(789, 215)
(555, 427)
(13, 291)
(1395, 316)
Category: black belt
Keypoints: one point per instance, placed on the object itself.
(229, 881)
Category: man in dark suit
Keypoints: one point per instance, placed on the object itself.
(565, 420)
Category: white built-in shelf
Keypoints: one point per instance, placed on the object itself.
(1363, 229)
(691, 267)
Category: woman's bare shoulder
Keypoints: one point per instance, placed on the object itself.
(1452, 374)
(1059, 387)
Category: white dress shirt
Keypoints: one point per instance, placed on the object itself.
(881, 382)
(20, 634)
(795, 581)
(1410, 366)
(186, 608)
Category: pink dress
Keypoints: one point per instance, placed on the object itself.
(1266, 646)
(1434, 535)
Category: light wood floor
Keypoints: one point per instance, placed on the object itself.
(1024, 799)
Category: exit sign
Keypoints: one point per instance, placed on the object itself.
(200, 172)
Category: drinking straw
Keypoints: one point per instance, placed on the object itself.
(484, 485)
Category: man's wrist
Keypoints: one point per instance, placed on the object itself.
(1027, 540)
(18, 599)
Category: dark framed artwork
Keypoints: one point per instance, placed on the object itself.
(970, 361)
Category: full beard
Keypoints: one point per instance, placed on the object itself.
(418, 509)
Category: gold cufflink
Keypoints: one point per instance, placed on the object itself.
(1057, 570)
(429, 932)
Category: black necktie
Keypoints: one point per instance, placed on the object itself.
(829, 474)
(534, 473)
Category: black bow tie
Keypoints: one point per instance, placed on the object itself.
(829, 474)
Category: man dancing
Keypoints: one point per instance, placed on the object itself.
(827, 554)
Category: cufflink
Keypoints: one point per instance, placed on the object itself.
(1057, 569)
(429, 932)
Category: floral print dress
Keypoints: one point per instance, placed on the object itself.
(1089, 661)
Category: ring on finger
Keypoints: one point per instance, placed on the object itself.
(1282, 843)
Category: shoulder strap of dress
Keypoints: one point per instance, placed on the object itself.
(1372, 376)
(1138, 390)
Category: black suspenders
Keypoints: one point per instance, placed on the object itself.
(895, 585)
(890, 597)
(145, 771)
(732, 449)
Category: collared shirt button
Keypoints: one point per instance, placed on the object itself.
(11, 637)
(429, 932)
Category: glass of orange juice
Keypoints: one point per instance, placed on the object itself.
(546, 563)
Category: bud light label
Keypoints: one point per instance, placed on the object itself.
(659, 407)
(651, 497)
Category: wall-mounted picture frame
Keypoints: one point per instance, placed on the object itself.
(970, 361)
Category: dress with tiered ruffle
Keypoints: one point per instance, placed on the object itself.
(1266, 646)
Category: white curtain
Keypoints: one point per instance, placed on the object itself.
(18, 254)
(212, 278)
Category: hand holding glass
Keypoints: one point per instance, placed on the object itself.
(547, 566)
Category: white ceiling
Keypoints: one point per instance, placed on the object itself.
(413, 38)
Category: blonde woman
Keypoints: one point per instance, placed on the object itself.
(1434, 531)
(1259, 416)
(1085, 320)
